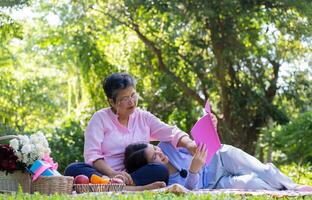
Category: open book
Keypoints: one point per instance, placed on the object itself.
(205, 132)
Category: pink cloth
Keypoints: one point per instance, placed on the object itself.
(106, 138)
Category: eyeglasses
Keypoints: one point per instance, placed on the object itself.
(124, 100)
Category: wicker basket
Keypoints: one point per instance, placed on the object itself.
(53, 184)
(83, 188)
(43, 185)
(10, 182)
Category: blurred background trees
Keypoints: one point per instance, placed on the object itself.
(252, 59)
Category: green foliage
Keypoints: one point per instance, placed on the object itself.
(66, 143)
(230, 52)
(288, 143)
(295, 139)
(14, 3)
(296, 93)
(301, 174)
(9, 29)
(25, 103)
(5, 130)
(181, 52)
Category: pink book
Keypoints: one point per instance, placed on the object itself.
(205, 132)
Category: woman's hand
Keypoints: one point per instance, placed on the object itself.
(192, 147)
(199, 159)
(123, 176)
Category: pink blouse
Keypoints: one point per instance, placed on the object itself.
(107, 139)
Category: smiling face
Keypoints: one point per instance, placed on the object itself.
(125, 102)
(155, 155)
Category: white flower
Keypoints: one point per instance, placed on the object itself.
(30, 148)
(45, 143)
(24, 139)
(14, 144)
(26, 149)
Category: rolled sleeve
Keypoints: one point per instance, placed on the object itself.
(94, 136)
(192, 181)
(163, 132)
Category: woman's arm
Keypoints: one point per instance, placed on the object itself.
(93, 139)
(188, 143)
(192, 181)
(162, 131)
(197, 164)
(104, 168)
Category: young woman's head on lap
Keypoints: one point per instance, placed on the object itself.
(120, 92)
(140, 154)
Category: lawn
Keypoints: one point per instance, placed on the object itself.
(138, 196)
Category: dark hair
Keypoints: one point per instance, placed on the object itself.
(135, 157)
(115, 82)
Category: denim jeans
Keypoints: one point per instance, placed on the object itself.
(145, 175)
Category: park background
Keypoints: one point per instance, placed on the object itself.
(251, 58)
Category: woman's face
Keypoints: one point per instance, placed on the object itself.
(155, 155)
(126, 101)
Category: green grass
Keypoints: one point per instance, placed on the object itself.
(139, 196)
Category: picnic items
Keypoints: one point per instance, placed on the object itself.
(95, 179)
(9, 182)
(98, 184)
(205, 132)
(43, 168)
(53, 184)
(83, 188)
(26, 154)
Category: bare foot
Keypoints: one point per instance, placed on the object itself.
(155, 185)
(151, 186)
(304, 188)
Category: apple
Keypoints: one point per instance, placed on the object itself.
(81, 179)
(116, 181)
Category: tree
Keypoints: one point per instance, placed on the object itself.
(25, 103)
(182, 53)
(9, 29)
(240, 46)
(14, 3)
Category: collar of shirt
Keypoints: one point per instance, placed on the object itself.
(118, 124)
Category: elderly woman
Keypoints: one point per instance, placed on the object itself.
(112, 129)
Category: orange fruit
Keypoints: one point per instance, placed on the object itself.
(95, 179)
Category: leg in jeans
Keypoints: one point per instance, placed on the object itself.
(145, 175)
(248, 181)
(78, 168)
(238, 162)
